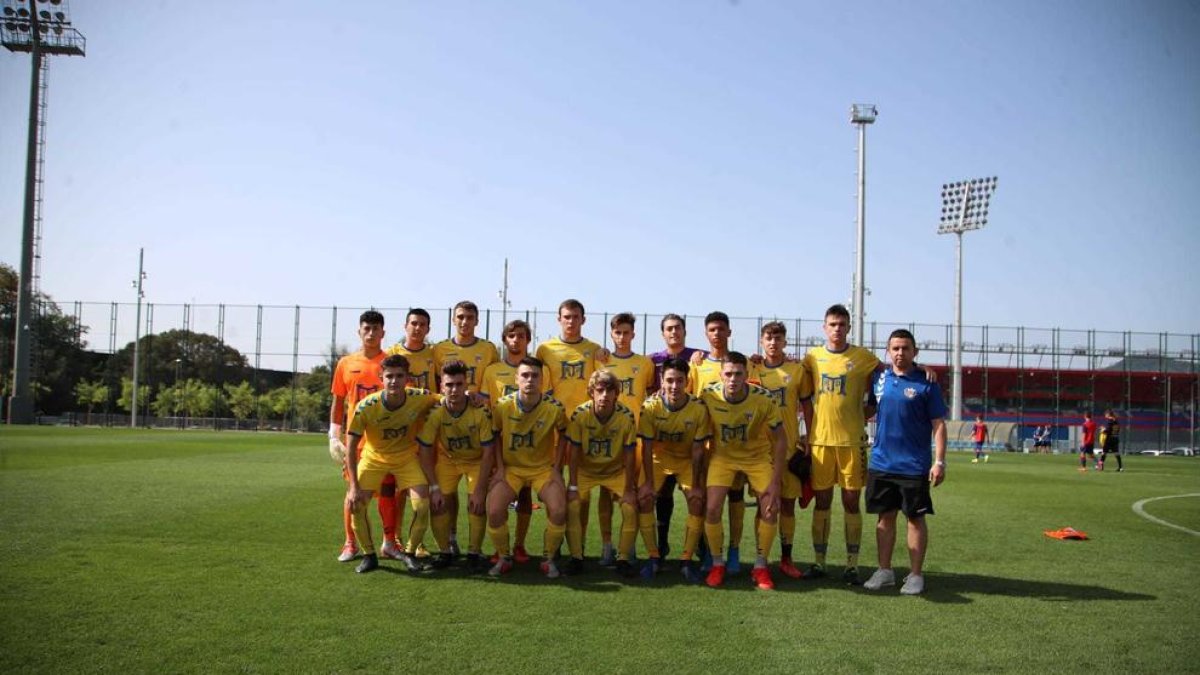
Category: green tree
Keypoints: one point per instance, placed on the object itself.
(241, 400)
(91, 394)
(126, 401)
(177, 355)
(169, 401)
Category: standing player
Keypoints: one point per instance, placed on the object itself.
(476, 355)
(500, 380)
(979, 434)
(571, 360)
(461, 436)
(635, 374)
(747, 438)
(788, 383)
(706, 373)
(389, 421)
(531, 441)
(1112, 441)
(674, 334)
(674, 426)
(910, 413)
(1088, 447)
(357, 376)
(603, 436)
(836, 421)
(422, 374)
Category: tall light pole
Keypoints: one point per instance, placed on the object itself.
(504, 303)
(861, 114)
(40, 27)
(137, 337)
(964, 208)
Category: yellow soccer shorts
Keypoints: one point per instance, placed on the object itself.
(673, 466)
(372, 471)
(723, 472)
(534, 478)
(449, 471)
(614, 484)
(838, 465)
(790, 487)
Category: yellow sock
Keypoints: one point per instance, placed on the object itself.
(362, 529)
(820, 534)
(441, 531)
(766, 537)
(499, 536)
(853, 538)
(574, 529)
(629, 530)
(478, 525)
(420, 523)
(787, 529)
(715, 533)
(554, 538)
(691, 536)
(646, 525)
(737, 518)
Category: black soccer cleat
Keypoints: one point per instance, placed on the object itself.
(442, 561)
(370, 562)
(626, 570)
(574, 567)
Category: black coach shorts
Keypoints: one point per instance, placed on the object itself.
(891, 492)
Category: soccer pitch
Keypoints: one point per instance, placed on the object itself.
(199, 551)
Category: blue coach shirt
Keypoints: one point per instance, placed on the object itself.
(907, 406)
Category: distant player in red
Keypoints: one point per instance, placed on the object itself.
(1088, 447)
(979, 434)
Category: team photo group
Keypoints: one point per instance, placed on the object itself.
(548, 431)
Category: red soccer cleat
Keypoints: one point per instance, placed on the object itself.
(762, 578)
(789, 569)
(716, 576)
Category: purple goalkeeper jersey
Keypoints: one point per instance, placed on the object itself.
(659, 357)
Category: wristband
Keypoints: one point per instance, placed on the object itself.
(435, 488)
(941, 463)
(573, 488)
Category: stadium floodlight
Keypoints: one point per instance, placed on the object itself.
(137, 336)
(964, 208)
(861, 114)
(40, 27)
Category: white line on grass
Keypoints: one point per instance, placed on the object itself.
(1137, 508)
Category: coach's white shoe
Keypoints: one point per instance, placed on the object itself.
(914, 584)
(879, 579)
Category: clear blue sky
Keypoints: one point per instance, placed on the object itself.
(653, 156)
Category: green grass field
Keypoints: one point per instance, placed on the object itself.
(194, 551)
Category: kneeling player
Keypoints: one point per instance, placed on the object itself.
(531, 441)
(674, 426)
(389, 421)
(603, 437)
(747, 437)
(462, 435)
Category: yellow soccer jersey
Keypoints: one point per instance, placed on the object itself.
(840, 382)
(391, 435)
(570, 365)
(500, 380)
(787, 384)
(604, 443)
(527, 437)
(701, 376)
(422, 367)
(460, 436)
(635, 374)
(674, 431)
(477, 356)
(741, 431)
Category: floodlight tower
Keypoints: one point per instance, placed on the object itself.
(40, 27)
(964, 208)
(861, 114)
(137, 336)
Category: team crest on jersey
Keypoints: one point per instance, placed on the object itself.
(572, 370)
(909, 392)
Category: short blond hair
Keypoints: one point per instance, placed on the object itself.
(603, 379)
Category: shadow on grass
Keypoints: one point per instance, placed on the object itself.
(951, 588)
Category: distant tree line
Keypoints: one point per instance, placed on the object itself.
(182, 373)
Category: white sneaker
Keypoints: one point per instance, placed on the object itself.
(550, 569)
(914, 584)
(349, 552)
(390, 550)
(879, 579)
